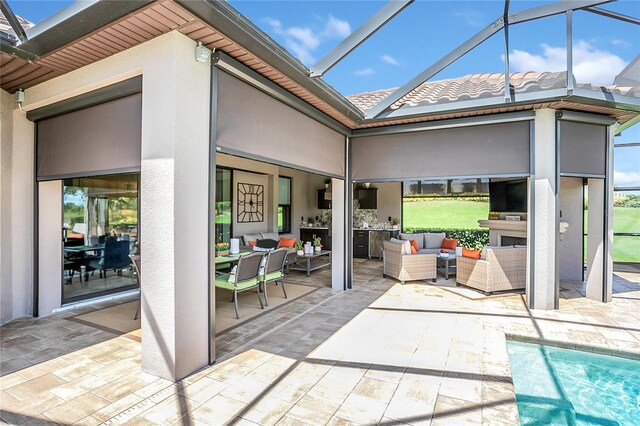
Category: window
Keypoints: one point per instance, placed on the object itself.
(100, 231)
(444, 204)
(223, 205)
(284, 204)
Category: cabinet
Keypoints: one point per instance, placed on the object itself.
(308, 234)
(376, 241)
(322, 203)
(367, 197)
(361, 244)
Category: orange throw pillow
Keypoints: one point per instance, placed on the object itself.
(413, 249)
(286, 242)
(449, 244)
(414, 245)
(252, 243)
(472, 254)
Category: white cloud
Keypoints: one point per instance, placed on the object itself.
(590, 64)
(389, 59)
(364, 72)
(473, 18)
(626, 178)
(302, 41)
(336, 28)
(620, 43)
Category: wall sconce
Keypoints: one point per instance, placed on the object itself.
(202, 53)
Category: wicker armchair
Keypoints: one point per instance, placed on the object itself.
(407, 267)
(502, 269)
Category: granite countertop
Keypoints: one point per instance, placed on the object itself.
(314, 227)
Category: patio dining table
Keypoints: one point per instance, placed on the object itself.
(83, 249)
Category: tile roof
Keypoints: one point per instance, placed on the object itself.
(5, 27)
(479, 86)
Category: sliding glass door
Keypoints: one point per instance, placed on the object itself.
(100, 232)
(223, 205)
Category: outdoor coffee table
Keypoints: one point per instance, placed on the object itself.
(447, 263)
(312, 262)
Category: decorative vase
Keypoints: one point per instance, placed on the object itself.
(318, 248)
(222, 253)
(300, 252)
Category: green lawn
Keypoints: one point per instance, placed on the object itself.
(450, 214)
(626, 219)
(445, 214)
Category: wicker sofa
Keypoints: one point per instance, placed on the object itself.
(407, 267)
(499, 269)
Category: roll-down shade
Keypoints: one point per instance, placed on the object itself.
(100, 139)
(489, 150)
(253, 123)
(582, 148)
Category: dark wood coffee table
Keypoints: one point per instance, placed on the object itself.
(312, 262)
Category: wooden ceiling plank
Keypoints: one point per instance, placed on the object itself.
(153, 14)
(169, 14)
(178, 10)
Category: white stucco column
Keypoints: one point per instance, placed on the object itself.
(337, 234)
(545, 216)
(174, 212)
(174, 192)
(49, 246)
(596, 240)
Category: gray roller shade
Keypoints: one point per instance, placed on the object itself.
(582, 148)
(254, 124)
(100, 139)
(494, 149)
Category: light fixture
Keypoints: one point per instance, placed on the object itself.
(202, 53)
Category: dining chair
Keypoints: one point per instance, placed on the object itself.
(135, 260)
(246, 277)
(115, 256)
(274, 270)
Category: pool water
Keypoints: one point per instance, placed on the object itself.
(557, 386)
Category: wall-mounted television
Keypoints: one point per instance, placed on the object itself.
(509, 196)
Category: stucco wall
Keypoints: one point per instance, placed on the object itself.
(570, 244)
(16, 211)
(389, 200)
(173, 194)
(6, 135)
(303, 192)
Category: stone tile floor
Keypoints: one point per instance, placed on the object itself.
(379, 354)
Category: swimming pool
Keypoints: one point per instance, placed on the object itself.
(557, 386)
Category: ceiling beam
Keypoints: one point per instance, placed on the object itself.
(614, 15)
(359, 36)
(515, 18)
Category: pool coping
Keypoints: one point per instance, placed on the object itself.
(574, 346)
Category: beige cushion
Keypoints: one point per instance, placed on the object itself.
(433, 240)
(418, 237)
(247, 238)
(406, 245)
(270, 236)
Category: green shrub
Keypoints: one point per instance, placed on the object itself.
(627, 201)
(469, 238)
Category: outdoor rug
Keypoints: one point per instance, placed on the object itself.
(117, 319)
(249, 305)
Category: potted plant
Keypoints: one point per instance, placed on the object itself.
(222, 249)
(317, 244)
(298, 246)
(394, 223)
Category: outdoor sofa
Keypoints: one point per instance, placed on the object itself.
(498, 269)
(399, 263)
(428, 242)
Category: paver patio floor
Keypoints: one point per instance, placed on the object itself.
(381, 353)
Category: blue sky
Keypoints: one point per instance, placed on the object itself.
(426, 31)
